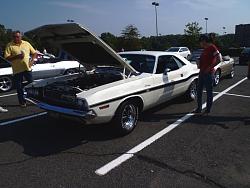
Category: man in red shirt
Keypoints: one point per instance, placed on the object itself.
(208, 60)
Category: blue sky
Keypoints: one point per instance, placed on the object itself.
(113, 15)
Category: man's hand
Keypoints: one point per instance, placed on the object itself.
(19, 56)
(31, 63)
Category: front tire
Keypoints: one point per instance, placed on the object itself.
(126, 117)
(6, 83)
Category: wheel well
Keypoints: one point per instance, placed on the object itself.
(137, 100)
(194, 80)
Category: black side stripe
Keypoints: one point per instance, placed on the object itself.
(144, 91)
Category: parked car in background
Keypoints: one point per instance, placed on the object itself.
(40, 69)
(183, 51)
(223, 69)
(116, 90)
(195, 55)
(244, 56)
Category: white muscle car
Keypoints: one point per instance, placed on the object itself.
(40, 69)
(118, 88)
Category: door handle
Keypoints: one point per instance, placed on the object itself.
(147, 85)
(182, 75)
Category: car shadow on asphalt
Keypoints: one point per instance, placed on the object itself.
(39, 139)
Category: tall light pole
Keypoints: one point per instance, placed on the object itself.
(156, 17)
(206, 19)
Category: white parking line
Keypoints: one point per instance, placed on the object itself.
(8, 95)
(232, 94)
(129, 154)
(22, 119)
(236, 95)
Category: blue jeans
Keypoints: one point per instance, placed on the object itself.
(19, 84)
(205, 80)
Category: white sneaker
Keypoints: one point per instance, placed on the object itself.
(3, 110)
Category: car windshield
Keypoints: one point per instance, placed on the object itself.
(141, 63)
(175, 49)
(246, 51)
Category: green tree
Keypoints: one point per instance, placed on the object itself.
(110, 39)
(130, 38)
(191, 35)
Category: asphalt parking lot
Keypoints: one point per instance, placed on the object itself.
(202, 151)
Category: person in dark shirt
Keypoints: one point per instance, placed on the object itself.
(208, 60)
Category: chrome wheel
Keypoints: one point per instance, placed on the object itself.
(5, 83)
(126, 116)
(216, 78)
(129, 117)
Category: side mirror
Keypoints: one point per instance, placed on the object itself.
(166, 71)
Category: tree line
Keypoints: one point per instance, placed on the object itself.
(131, 39)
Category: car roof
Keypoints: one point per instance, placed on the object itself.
(153, 53)
(156, 54)
(178, 47)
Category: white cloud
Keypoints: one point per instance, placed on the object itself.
(208, 4)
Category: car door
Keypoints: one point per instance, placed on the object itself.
(167, 78)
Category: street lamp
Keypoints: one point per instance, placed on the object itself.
(70, 21)
(206, 24)
(156, 17)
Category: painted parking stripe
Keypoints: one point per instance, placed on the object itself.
(232, 94)
(22, 119)
(129, 154)
(8, 95)
(236, 95)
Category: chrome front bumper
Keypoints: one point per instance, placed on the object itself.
(85, 115)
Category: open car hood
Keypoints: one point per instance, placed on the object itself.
(77, 41)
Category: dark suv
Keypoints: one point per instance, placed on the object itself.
(244, 56)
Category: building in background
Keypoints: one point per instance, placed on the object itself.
(242, 35)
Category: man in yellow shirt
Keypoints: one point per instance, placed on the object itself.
(18, 53)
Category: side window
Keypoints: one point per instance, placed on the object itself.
(179, 62)
(166, 62)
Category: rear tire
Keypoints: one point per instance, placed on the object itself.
(232, 73)
(126, 117)
(6, 83)
(217, 77)
(191, 93)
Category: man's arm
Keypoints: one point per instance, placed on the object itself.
(33, 55)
